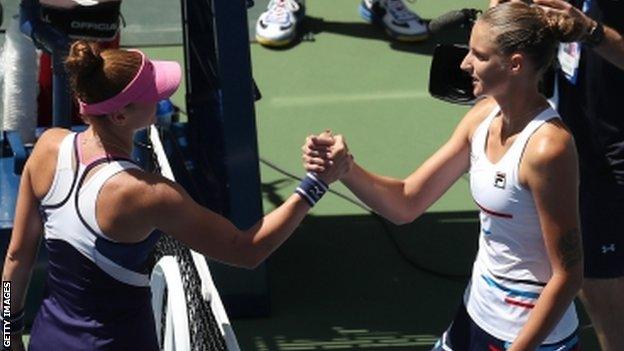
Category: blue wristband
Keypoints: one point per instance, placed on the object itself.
(311, 189)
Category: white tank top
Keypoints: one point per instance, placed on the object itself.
(512, 265)
(69, 211)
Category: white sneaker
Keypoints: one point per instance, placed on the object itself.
(277, 25)
(397, 19)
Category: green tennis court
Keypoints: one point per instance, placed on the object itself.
(347, 279)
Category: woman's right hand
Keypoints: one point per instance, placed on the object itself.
(568, 10)
(327, 155)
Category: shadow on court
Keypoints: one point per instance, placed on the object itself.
(310, 26)
(359, 283)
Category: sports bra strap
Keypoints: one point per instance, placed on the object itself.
(65, 168)
(88, 190)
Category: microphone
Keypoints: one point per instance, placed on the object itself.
(455, 18)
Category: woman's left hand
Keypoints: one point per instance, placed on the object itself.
(327, 155)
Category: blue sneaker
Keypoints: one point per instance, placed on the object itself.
(397, 19)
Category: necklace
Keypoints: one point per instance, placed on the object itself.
(103, 144)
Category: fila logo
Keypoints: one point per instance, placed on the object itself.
(606, 248)
(500, 180)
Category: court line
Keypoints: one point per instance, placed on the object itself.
(287, 101)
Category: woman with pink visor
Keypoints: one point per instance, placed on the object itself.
(98, 211)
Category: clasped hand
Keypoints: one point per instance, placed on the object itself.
(327, 155)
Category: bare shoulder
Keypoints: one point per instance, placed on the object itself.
(550, 157)
(50, 140)
(52, 134)
(551, 144)
(42, 160)
(141, 192)
(133, 202)
(477, 114)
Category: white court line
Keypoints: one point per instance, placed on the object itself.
(137, 28)
(287, 101)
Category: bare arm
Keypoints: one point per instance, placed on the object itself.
(23, 248)
(551, 170)
(25, 237)
(27, 224)
(611, 48)
(173, 211)
(403, 200)
(213, 235)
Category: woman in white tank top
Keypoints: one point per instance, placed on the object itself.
(523, 177)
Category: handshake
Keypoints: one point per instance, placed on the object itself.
(327, 156)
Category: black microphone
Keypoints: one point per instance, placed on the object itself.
(455, 18)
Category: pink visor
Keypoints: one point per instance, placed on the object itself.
(155, 81)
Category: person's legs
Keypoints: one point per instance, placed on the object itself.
(604, 302)
(277, 26)
(465, 335)
(457, 336)
(602, 225)
(398, 20)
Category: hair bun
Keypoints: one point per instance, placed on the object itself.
(563, 27)
(84, 59)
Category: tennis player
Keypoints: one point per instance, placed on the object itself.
(523, 177)
(98, 211)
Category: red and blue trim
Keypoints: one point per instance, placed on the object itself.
(494, 213)
(514, 296)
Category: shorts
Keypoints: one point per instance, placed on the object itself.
(602, 227)
(465, 335)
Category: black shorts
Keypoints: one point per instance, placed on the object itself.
(602, 227)
(465, 335)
